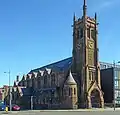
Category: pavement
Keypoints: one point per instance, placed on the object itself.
(108, 111)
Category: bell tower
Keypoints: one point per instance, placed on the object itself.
(85, 60)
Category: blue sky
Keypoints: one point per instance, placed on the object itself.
(34, 33)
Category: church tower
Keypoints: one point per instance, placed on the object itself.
(85, 66)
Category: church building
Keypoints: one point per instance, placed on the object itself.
(74, 82)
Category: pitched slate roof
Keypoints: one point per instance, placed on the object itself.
(63, 65)
(57, 66)
(25, 91)
(39, 91)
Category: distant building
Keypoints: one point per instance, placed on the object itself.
(110, 82)
(22, 96)
(105, 65)
(3, 92)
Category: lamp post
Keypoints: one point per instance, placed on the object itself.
(31, 102)
(114, 66)
(9, 90)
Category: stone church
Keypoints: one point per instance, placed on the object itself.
(70, 83)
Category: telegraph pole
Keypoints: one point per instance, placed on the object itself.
(31, 102)
(114, 84)
(9, 90)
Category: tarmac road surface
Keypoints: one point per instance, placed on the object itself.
(60, 112)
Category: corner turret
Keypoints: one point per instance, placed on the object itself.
(70, 92)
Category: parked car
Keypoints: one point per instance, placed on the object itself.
(14, 107)
(2, 106)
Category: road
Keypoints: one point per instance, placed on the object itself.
(77, 112)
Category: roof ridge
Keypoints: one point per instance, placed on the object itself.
(51, 64)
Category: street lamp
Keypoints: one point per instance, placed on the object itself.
(114, 64)
(9, 90)
(31, 102)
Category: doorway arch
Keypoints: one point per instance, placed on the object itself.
(95, 99)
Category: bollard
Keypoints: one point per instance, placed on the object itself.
(6, 109)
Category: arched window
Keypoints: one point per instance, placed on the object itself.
(45, 80)
(81, 33)
(93, 34)
(38, 82)
(92, 75)
(88, 32)
(74, 91)
(70, 91)
(53, 80)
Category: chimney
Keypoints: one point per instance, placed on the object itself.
(17, 78)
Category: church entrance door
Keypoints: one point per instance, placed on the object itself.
(95, 99)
